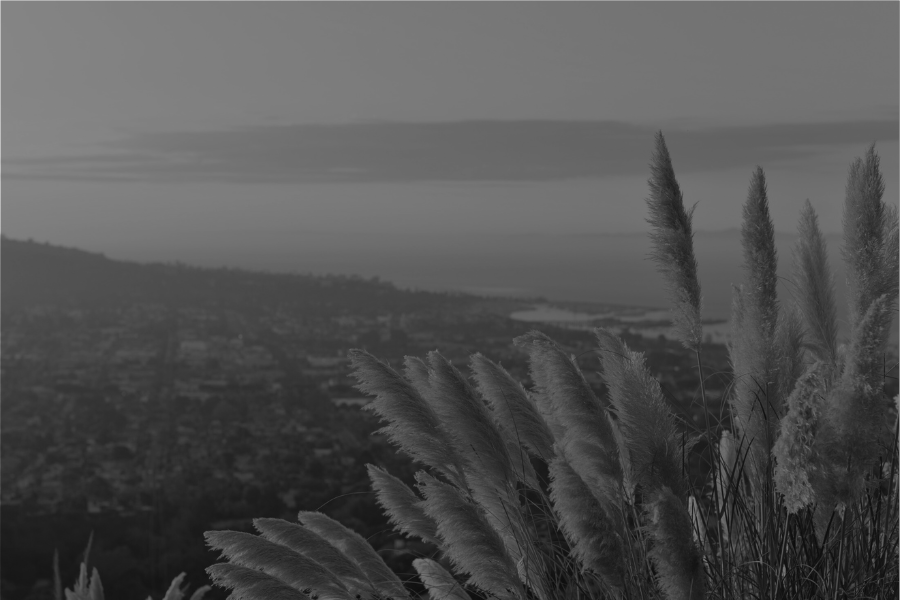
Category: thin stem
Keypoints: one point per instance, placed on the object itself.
(838, 580)
(702, 387)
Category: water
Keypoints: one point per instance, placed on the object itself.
(643, 322)
(600, 269)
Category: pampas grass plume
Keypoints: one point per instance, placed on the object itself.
(672, 238)
(867, 341)
(514, 411)
(357, 549)
(469, 541)
(250, 584)
(648, 427)
(583, 428)
(760, 257)
(310, 544)
(587, 526)
(678, 562)
(95, 591)
(417, 373)
(412, 423)
(753, 396)
(176, 591)
(794, 448)
(870, 237)
(294, 569)
(815, 287)
(86, 588)
(755, 353)
(402, 505)
(440, 584)
(471, 430)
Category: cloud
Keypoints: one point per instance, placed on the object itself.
(464, 151)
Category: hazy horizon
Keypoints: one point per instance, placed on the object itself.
(283, 135)
(558, 267)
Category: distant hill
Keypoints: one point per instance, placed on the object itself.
(40, 273)
(596, 268)
(33, 273)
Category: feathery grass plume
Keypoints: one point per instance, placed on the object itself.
(310, 544)
(538, 371)
(856, 426)
(421, 376)
(293, 568)
(673, 246)
(412, 423)
(754, 391)
(580, 418)
(870, 238)
(440, 584)
(95, 591)
(250, 584)
(522, 467)
(847, 445)
(647, 424)
(176, 591)
(593, 538)
(628, 481)
(790, 355)
(498, 388)
(815, 287)
(867, 341)
(891, 253)
(678, 562)
(469, 540)
(514, 411)
(86, 588)
(417, 373)
(755, 354)
(357, 549)
(855, 429)
(794, 450)
(470, 428)
(760, 257)
(402, 505)
(80, 589)
(489, 469)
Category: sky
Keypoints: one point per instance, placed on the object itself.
(136, 128)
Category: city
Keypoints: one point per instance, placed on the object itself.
(219, 408)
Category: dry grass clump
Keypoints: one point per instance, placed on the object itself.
(91, 587)
(550, 492)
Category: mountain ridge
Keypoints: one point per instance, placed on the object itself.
(35, 273)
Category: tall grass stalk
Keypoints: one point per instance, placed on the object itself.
(548, 491)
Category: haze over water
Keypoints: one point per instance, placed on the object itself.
(485, 147)
(604, 269)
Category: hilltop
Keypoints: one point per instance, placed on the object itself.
(35, 273)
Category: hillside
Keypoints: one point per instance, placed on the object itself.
(43, 274)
